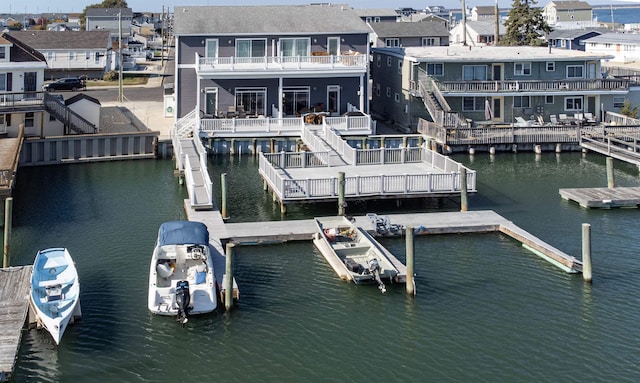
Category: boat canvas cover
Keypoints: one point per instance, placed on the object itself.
(181, 232)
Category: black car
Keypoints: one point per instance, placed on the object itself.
(70, 83)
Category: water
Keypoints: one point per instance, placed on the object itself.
(486, 309)
(620, 15)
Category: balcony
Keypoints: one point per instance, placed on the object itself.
(355, 63)
(593, 86)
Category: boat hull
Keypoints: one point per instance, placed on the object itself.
(55, 290)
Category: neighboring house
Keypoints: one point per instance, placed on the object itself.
(86, 106)
(377, 15)
(571, 38)
(557, 13)
(478, 33)
(420, 34)
(488, 83)
(624, 47)
(245, 61)
(21, 77)
(438, 10)
(107, 19)
(483, 13)
(432, 18)
(71, 53)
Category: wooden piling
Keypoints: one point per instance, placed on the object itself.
(586, 252)
(341, 184)
(410, 283)
(228, 286)
(463, 189)
(223, 187)
(610, 179)
(8, 212)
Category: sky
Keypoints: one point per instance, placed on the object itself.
(77, 6)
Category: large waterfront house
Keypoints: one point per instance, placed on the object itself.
(417, 34)
(71, 53)
(241, 62)
(495, 85)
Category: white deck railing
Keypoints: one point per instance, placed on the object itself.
(356, 62)
(341, 146)
(286, 125)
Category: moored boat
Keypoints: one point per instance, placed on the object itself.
(352, 252)
(55, 290)
(181, 277)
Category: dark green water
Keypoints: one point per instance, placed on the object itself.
(486, 310)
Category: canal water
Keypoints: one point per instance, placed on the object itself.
(486, 309)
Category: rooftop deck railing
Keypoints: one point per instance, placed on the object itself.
(352, 62)
(508, 86)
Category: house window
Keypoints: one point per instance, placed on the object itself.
(428, 41)
(333, 46)
(3, 53)
(392, 42)
(3, 82)
(575, 71)
(252, 99)
(51, 56)
(251, 48)
(400, 66)
(295, 100)
(551, 66)
(368, 20)
(295, 47)
(29, 120)
(378, 90)
(96, 57)
(472, 104)
(521, 101)
(87, 55)
(211, 48)
(211, 101)
(474, 72)
(573, 104)
(618, 102)
(72, 56)
(435, 69)
(396, 97)
(388, 91)
(378, 61)
(522, 69)
(563, 43)
(389, 61)
(548, 100)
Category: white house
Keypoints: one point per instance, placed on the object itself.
(625, 47)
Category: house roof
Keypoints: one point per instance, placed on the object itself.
(616, 38)
(108, 12)
(570, 34)
(489, 54)
(373, 12)
(66, 40)
(21, 52)
(268, 19)
(570, 5)
(422, 29)
(79, 97)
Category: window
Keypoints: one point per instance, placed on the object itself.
(548, 100)
(396, 97)
(392, 42)
(474, 72)
(211, 101)
(618, 102)
(368, 20)
(87, 55)
(378, 90)
(295, 100)
(575, 71)
(3, 82)
(252, 99)
(378, 61)
(211, 48)
(563, 43)
(573, 104)
(388, 91)
(3, 53)
(522, 69)
(51, 56)
(29, 120)
(521, 101)
(435, 69)
(428, 42)
(400, 66)
(251, 48)
(472, 104)
(389, 61)
(72, 56)
(96, 57)
(333, 98)
(333, 46)
(376, 19)
(295, 47)
(551, 66)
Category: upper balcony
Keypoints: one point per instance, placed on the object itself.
(317, 65)
(516, 87)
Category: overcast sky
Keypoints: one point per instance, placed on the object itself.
(77, 6)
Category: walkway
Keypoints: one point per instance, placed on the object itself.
(14, 307)
(623, 147)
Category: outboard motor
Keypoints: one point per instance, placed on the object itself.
(374, 268)
(183, 298)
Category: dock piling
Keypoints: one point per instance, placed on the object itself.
(610, 179)
(8, 207)
(463, 189)
(410, 283)
(228, 286)
(223, 187)
(341, 184)
(586, 252)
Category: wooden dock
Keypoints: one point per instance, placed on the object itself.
(623, 147)
(257, 233)
(14, 308)
(607, 198)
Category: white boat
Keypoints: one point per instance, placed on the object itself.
(55, 290)
(352, 252)
(181, 278)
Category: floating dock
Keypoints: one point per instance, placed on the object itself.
(605, 198)
(14, 308)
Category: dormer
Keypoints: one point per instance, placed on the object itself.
(5, 48)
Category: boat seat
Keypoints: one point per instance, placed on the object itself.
(53, 282)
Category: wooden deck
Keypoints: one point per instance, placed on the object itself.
(603, 197)
(14, 308)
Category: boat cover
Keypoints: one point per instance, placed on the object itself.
(183, 232)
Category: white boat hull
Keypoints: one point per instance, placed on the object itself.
(55, 291)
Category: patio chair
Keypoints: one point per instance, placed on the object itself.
(589, 119)
(564, 119)
(554, 119)
(521, 122)
(231, 111)
(241, 112)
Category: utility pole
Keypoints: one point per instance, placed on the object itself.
(162, 37)
(497, 31)
(464, 24)
(120, 93)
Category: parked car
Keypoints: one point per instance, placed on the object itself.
(69, 83)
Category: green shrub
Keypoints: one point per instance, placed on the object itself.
(110, 76)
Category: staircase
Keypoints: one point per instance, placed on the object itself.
(75, 122)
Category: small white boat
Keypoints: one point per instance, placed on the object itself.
(352, 252)
(181, 278)
(55, 290)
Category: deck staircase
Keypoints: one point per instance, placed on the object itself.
(436, 104)
(317, 141)
(72, 120)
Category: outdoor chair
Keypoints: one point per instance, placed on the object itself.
(231, 111)
(588, 117)
(564, 119)
(241, 112)
(554, 119)
(521, 122)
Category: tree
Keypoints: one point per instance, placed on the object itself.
(104, 4)
(628, 111)
(525, 25)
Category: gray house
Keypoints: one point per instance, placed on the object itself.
(270, 61)
(419, 34)
(107, 19)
